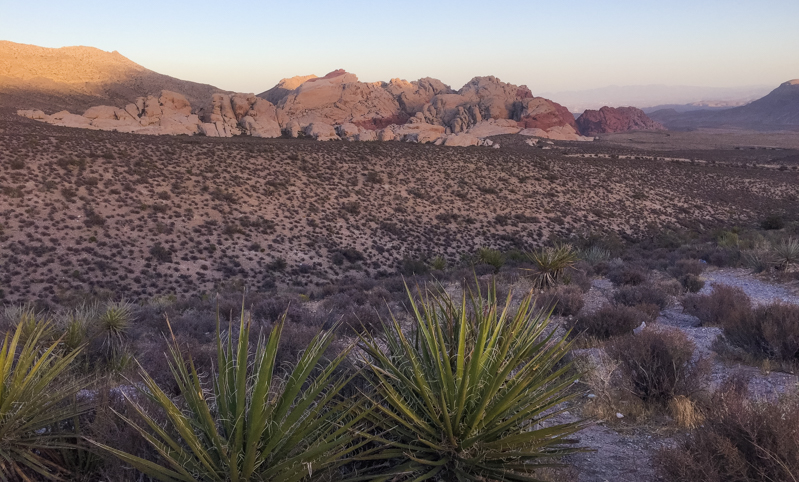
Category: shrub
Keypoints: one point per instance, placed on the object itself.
(609, 321)
(36, 399)
(564, 300)
(410, 267)
(658, 365)
(692, 283)
(500, 376)
(772, 222)
(642, 294)
(739, 440)
(685, 267)
(723, 303)
(551, 263)
(255, 426)
(491, 257)
(627, 275)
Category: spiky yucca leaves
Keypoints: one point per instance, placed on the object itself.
(254, 426)
(113, 324)
(551, 263)
(786, 252)
(32, 405)
(466, 394)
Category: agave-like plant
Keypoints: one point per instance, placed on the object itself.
(113, 324)
(32, 406)
(786, 252)
(550, 264)
(491, 257)
(253, 426)
(469, 393)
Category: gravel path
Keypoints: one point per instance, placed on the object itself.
(759, 291)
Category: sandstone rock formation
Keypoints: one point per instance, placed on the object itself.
(615, 119)
(340, 107)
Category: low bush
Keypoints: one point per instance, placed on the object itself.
(564, 300)
(685, 267)
(627, 275)
(609, 321)
(642, 294)
(739, 440)
(723, 303)
(659, 365)
(692, 283)
(773, 222)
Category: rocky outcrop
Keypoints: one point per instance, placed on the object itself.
(340, 107)
(615, 119)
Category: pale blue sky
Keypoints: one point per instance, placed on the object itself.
(550, 46)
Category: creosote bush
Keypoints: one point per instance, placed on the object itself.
(609, 321)
(563, 300)
(658, 365)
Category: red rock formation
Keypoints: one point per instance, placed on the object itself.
(540, 113)
(615, 119)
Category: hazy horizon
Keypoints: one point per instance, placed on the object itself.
(550, 48)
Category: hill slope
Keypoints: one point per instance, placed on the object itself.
(776, 111)
(76, 78)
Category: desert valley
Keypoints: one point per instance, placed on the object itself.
(158, 237)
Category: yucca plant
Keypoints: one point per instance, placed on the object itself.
(34, 400)
(467, 394)
(113, 324)
(550, 264)
(786, 252)
(594, 254)
(253, 425)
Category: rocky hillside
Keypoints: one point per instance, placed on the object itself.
(615, 119)
(76, 78)
(339, 106)
(778, 110)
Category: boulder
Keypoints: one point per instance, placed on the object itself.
(133, 110)
(208, 129)
(461, 140)
(174, 102)
(101, 112)
(292, 129)
(32, 114)
(152, 108)
(366, 136)
(494, 127)
(321, 132)
(258, 127)
(348, 131)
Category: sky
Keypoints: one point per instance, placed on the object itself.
(248, 46)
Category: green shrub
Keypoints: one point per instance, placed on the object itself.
(491, 257)
(253, 425)
(463, 396)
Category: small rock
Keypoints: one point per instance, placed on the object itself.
(619, 415)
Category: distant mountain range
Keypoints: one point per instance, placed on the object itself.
(653, 97)
(779, 110)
